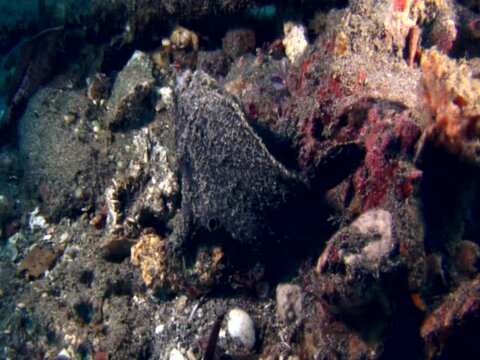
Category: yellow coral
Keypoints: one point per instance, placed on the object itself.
(150, 253)
(295, 40)
(163, 271)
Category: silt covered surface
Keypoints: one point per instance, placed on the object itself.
(240, 180)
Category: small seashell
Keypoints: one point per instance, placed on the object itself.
(240, 326)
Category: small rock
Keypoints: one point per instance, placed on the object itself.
(9, 250)
(69, 118)
(289, 302)
(159, 329)
(191, 355)
(238, 42)
(165, 98)
(181, 302)
(372, 249)
(375, 221)
(215, 63)
(101, 355)
(355, 265)
(131, 89)
(467, 257)
(240, 326)
(38, 261)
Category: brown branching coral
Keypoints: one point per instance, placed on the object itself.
(450, 95)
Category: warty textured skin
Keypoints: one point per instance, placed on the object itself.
(229, 179)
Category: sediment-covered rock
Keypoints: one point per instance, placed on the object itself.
(230, 180)
(63, 161)
(131, 103)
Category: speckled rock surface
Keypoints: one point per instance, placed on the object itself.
(229, 178)
(64, 164)
(131, 101)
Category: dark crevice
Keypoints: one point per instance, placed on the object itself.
(281, 148)
(147, 219)
(122, 287)
(86, 277)
(445, 215)
(84, 311)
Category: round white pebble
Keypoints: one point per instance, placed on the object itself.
(175, 354)
(159, 329)
(240, 326)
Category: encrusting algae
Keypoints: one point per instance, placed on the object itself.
(450, 95)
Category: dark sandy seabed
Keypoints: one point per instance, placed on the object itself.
(239, 179)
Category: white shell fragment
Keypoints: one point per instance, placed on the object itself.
(36, 221)
(240, 326)
(175, 354)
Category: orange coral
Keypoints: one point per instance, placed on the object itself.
(399, 5)
(450, 95)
